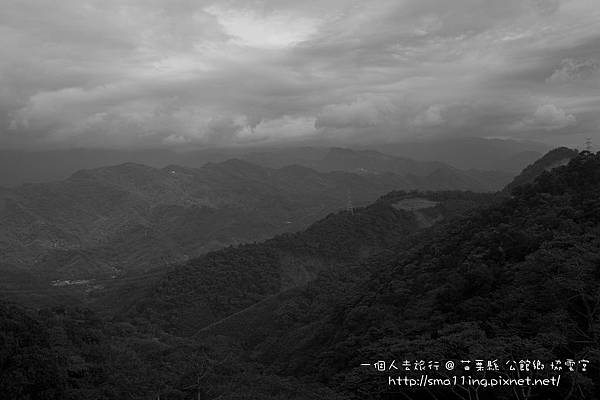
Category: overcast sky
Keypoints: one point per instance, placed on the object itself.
(143, 73)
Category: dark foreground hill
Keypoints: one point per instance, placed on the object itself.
(71, 354)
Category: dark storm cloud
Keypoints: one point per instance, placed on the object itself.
(149, 73)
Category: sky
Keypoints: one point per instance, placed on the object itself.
(180, 73)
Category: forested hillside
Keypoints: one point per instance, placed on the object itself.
(515, 281)
(554, 158)
(72, 354)
(224, 282)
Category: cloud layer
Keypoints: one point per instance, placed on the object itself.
(143, 73)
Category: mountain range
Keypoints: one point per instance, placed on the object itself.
(111, 221)
(416, 274)
(470, 153)
(504, 155)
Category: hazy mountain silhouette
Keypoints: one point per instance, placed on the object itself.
(471, 153)
(17, 167)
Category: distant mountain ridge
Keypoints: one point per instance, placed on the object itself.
(470, 152)
(438, 175)
(344, 159)
(130, 217)
(17, 167)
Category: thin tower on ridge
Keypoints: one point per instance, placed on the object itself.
(349, 206)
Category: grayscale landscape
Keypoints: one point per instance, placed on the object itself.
(269, 200)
